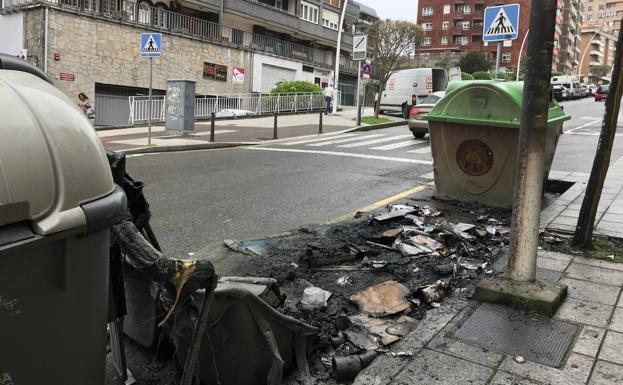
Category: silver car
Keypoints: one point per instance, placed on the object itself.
(417, 125)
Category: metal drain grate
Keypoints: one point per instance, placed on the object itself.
(513, 332)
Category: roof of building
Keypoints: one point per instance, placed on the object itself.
(367, 10)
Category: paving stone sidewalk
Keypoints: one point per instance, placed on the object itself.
(562, 215)
(594, 303)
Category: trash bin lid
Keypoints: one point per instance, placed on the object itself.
(51, 160)
(486, 103)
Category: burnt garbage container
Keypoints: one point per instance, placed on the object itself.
(57, 203)
(474, 133)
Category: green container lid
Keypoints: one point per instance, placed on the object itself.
(486, 103)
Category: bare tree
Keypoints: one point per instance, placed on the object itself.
(393, 42)
(600, 71)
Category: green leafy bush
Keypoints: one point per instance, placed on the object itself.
(296, 87)
(466, 76)
(481, 75)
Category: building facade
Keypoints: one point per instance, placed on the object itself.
(92, 46)
(454, 27)
(596, 62)
(569, 44)
(603, 14)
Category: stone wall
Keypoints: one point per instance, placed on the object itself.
(100, 51)
(33, 33)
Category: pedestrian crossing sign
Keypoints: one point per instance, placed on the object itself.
(151, 45)
(501, 23)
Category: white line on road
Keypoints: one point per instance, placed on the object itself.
(206, 133)
(423, 150)
(393, 146)
(375, 141)
(583, 126)
(347, 154)
(344, 140)
(317, 140)
(590, 117)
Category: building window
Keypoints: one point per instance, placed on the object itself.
(445, 25)
(427, 41)
(428, 26)
(465, 25)
(476, 38)
(335, 3)
(427, 11)
(309, 12)
(446, 9)
(461, 40)
(444, 40)
(506, 57)
(330, 19)
(464, 8)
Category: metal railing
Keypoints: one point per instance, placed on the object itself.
(230, 105)
(157, 18)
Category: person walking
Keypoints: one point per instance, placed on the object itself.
(328, 93)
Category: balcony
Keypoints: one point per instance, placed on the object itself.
(597, 53)
(157, 19)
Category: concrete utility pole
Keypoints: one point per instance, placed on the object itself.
(530, 155)
(588, 211)
(336, 75)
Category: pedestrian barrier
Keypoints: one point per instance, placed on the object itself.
(229, 105)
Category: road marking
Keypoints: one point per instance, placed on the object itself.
(393, 146)
(382, 203)
(317, 140)
(590, 117)
(375, 141)
(344, 140)
(583, 126)
(347, 154)
(423, 150)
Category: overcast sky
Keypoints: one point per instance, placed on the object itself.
(394, 9)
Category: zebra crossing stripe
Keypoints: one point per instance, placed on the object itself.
(375, 141)
(344, 140)
(423, 150)
(318, 140)
(393, 146)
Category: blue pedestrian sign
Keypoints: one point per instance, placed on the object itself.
(501, 23)
(151, 44)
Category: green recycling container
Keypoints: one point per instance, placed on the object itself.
(57, 203)
(474, 133)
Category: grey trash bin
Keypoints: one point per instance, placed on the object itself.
(57, 203)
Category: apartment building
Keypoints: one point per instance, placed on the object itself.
(603, 14)
(597, 47)
(569, 44)
(92, 46)
(454, 27)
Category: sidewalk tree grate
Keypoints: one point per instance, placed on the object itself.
(517, 333)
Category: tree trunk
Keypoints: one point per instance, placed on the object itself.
(377, 102)
(588, 212)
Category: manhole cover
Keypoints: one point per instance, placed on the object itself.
(513, 332)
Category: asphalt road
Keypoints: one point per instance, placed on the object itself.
(202, 197)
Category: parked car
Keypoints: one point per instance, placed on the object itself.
(571, 83)
(417, 125)
(601, 93)
(560, 93)
(403, 84)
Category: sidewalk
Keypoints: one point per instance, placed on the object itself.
(594, 304)
(236, 131)
(562, 215)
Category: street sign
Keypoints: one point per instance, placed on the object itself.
(360, 47)
(151, 44)
(501, 23)
(366, 69)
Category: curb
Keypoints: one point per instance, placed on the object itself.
(185, 147)
(372, 127)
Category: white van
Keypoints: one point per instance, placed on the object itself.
(571, 84)
(420, 82)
